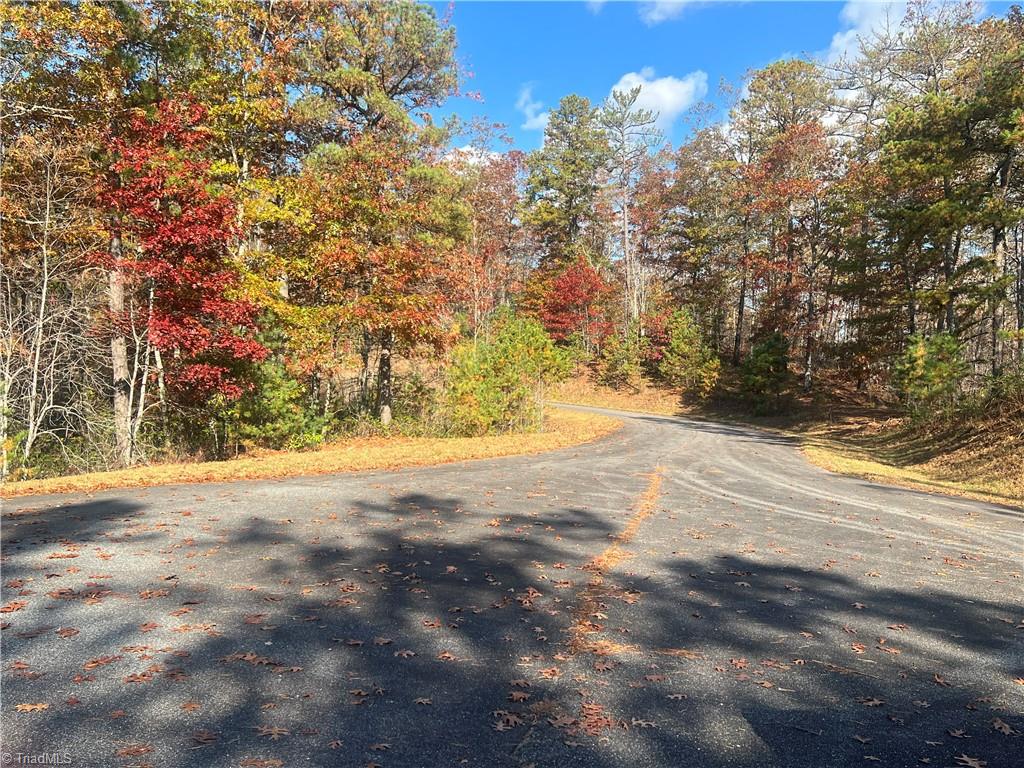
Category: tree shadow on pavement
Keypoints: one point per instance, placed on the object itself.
(423, 631)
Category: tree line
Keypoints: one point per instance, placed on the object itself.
(844, 213)
(226, 223)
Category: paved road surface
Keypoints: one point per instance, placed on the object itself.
(679, 594)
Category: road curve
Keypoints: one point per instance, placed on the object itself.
(679, 593)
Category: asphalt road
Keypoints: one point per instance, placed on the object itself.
(678, 594)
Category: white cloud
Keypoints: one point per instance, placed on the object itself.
(595, 6)
(668, 96)
(859, 19)
(469, 155)
(536, 119)
(652, 13)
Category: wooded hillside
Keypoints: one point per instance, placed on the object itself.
(230, 223)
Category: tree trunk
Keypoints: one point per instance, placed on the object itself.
(632, 287)
(161, 390)
(364, 372)
(32, 422)
(143, 376)
(384, 393)
(790, 260)
(999, 256)
(5, 404)
(119, 359)
(950, 255)
(740, 307)
(948, 267)
(811, 318)
(809, 339)
(910, 283)
(1019, 297)
(1000, 263)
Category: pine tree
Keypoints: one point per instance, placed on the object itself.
(564, 181)
(631, 133)
(687, 362)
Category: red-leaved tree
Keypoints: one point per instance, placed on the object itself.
(575, 305)
(176, 314)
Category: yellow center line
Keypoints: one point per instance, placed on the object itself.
(589, 599)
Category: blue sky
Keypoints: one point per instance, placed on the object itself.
(524, 56)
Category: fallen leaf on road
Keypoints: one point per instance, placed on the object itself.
(32, 707)
(1003, 727)
(562, 721)
(100, 661)
(134, 750)
(273, 731)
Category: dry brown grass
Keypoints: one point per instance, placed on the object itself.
(984, 461)
(562, 429)
(646, 398)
